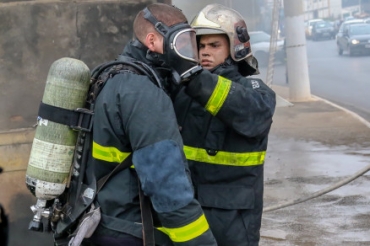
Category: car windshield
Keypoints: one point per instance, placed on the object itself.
(322, 24)
(346, 24)
(359, 30)
(259, 37)
(311, 23)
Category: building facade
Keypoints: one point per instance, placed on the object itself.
(325, 9)
(335, 9)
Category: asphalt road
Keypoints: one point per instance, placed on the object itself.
(343, 80)
(312, 148)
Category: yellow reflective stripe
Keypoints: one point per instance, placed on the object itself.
(225, 158)
(109, 154)
(219, 95)
(188, 232)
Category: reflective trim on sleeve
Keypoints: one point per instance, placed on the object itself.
(109, 154)
(225, 158)
(188, 232)
(219, 95)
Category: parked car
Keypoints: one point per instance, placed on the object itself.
(260, 42)
(309, 25)
(349, 18)
(355, 39)
(323, 30)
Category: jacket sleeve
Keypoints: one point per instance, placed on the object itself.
(149, 121)
(245, 104)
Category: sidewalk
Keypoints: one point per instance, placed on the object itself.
(312, 146)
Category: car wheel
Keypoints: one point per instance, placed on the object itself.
(340, 51)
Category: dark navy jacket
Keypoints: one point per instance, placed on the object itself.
(225, 122)
(133, 115)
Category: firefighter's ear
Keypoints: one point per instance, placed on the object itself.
(154, 42)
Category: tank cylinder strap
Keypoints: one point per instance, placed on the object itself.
(79, 119)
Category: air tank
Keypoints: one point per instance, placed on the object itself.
(53, 146)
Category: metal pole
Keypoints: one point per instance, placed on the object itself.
(273, 41)
(299, 83)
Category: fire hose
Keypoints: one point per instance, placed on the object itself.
(318, 193)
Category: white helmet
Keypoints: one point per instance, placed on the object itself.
(218, 19)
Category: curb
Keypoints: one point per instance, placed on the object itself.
(353, 114)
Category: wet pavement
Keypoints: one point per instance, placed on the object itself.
(314, 146)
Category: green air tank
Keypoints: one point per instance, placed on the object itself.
(53, 146)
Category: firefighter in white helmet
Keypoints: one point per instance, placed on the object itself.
(225, 118)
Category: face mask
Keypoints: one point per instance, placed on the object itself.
(179, 45)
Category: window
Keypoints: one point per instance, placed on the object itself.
(349, 3)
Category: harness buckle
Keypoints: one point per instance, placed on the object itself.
(84, 121)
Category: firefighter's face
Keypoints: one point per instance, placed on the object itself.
(213, 50)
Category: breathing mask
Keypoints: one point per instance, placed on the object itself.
(180, 52)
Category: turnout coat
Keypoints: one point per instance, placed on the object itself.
(224, 119)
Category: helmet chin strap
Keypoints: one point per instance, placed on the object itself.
(228, 61)
(246, 67)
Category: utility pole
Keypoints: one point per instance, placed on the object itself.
(273, 41)
(299, 83)
(359, 7)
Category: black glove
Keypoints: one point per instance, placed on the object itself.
(189, 74)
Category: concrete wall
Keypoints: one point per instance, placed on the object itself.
(36, 33)
(33, 34)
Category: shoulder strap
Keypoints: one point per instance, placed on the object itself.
(146, 212)
(111, 68)
(146, 218)
(149, 71)
(125, 164)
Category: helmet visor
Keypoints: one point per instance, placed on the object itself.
(185, 45)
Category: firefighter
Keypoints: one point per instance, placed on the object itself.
(225, 118)
(134, 114)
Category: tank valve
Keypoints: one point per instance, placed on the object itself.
(40, 211)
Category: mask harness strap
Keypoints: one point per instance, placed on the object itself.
(159, 26)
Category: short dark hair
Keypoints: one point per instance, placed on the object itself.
(167, 14)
